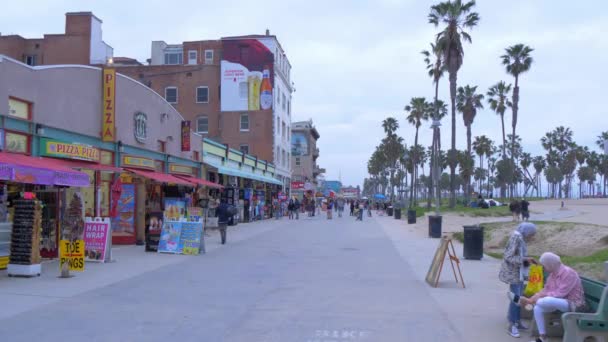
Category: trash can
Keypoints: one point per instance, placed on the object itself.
(473, 242)
(434, 226)
(411, 216)
(397, 214)
(389, 211)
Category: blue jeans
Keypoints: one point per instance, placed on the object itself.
(514, 310)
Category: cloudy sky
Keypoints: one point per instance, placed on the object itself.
(357, 62)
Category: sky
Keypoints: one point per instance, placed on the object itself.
(357, 62)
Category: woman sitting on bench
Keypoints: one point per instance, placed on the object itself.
(563, 292)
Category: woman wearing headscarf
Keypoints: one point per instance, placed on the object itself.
(514, 264)
(563, 292)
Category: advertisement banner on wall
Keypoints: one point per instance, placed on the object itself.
(297, 185)
(299, 144)
(185, 136)
(247, 75)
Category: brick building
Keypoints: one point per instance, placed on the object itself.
(189, 75)
(81, 43)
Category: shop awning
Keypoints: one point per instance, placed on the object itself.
(77, 164)
(200, 181)
(243, 174)
(159, 177)
(35, 170)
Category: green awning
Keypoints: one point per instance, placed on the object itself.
(243, 174)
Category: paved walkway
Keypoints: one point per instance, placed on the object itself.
(311, 280)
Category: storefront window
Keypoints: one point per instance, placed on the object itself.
(88, 194)
(107, 158)
(15, 142)
(104, 197)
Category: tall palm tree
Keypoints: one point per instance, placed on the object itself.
(468, 101)
(483, 147)
(436, 68)
(390, 126)
(603, 137)
(539, 165)
(456, 16)
(418, 111)
(517, 60)
(498, 99)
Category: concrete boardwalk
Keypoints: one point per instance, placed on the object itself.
(311, 280)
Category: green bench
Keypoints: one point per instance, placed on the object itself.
(579, 326)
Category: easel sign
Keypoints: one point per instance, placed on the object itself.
(445, 247)
(98, 239)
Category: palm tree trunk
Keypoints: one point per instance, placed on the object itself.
(515, 108)
(453, 79)
(414, 160)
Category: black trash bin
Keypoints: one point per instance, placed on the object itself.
(411, 216)
(389, 211)
(434, 226)
(397, 214)
(473, 242)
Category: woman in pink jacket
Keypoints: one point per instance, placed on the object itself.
(563, 292)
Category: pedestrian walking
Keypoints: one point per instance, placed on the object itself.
(352, 207)
(340, 206)
(330, 208)
(224, 212)
(290, 208)
(525, 209)
(296, 208)
(515, 264)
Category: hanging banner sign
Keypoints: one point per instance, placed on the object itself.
(185, 136)
(108, 132)
(97, 239)
(72, 253)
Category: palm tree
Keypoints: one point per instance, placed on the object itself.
(483, 147)
(516, 60)
(436, 68)
(457, 16)
(418, 111)
(498, 99)
(390, 126)
(468, 102)
(603, 137)
(539, 165)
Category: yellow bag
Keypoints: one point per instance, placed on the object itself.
(535, 281)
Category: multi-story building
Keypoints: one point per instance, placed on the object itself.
(81, 43)
(220, 86)
(304, 154)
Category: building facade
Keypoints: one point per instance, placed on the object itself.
(216, 84)
(304, 155)
(81, 43)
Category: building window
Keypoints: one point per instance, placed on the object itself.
(288, 160)
(298, 161)
(202, 124)
(171, 94)
(278, 96)
(174, 58)
(195, 155)
(289, 107)
(278, 157)
(160, 146)
(202, 95)
(30, 60)
(244, 122)
(283, 133)
(244, 149)
(283, 158)
(284, 101)
(19, 108)
(208, 56)
(192, 57)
